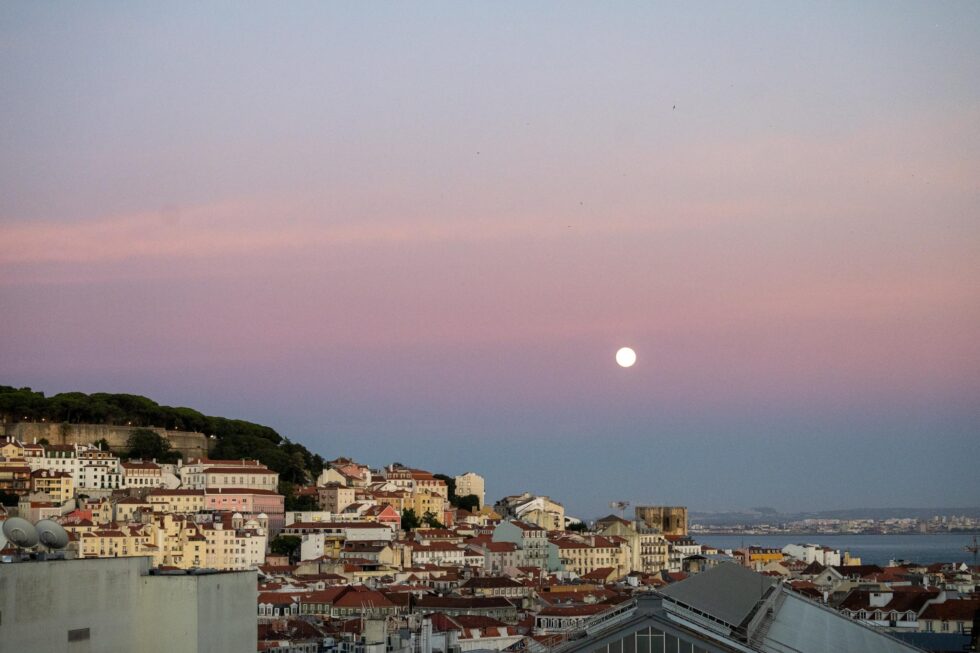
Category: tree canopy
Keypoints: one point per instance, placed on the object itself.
(150, 445)
(285, 545)
(234, 438)
(470, 502)
(410, 520)
(430, 520)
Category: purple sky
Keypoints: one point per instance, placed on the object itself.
(420, 233)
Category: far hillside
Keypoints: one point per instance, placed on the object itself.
(235, 438)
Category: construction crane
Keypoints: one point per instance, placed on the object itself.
(973, 549)
(619, 506)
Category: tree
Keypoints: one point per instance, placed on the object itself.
(578, 527)
(8, 499)
(470, 502)
(150, 445)
(43, 442)
(103, 444)
(296, 502)
(285, 545)
(410, 521)
(429, 519)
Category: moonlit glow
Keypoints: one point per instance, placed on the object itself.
(626, 357)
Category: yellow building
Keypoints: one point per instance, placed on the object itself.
(584, 554)
(15, 476)
(180, 502)
(129, 508)
(471, 483)
(757, 557)
(648, 547)
(11, 448)
(423, 501)
(334, 497)
(119, 543)
(58, 485)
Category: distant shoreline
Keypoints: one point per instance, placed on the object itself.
(825, 534)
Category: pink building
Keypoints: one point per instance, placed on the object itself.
(249, 501)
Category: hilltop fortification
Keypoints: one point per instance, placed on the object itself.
(189, 443)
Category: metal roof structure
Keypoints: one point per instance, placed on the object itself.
(727, 593)
(802, 625)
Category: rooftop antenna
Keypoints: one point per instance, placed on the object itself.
(619, 506)
(51, 534)
(19, 532)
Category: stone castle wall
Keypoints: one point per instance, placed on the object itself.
(190, 443)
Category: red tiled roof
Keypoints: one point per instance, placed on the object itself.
(175, 493)
(237, 470)
(601, 573)
(573, 610)
(239, 490)
(276, 598)
(132, 465)
(952, 610)
(321, 525)
(357, 597)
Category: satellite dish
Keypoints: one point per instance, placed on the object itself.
(51, 534)
(20, 532)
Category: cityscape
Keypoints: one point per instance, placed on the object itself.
(398, 558)
(935, 524)
(489, 327)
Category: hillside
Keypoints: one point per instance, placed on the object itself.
(235, 438)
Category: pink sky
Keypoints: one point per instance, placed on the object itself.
(454, 229)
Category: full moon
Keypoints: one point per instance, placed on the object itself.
(626, 357)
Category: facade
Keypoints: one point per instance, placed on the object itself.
(809, 553)
(471, 483)
(267, 503)
(539, 510)
(583, 555)
(334, 497)
(178, 502)
(648, 547)
(328, 538)
(139, 474)
(15, 476)
(117, 606)
(205, 474)
(532, 540)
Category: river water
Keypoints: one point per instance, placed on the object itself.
(872, 549)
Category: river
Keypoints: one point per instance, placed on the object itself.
(872, 549)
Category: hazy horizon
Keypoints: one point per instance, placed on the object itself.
(419, 233)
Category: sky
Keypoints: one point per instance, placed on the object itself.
(419, 232)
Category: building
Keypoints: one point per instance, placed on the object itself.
(15, 476)
(669, 520)
(539, 510)
(809, 553)
(328, 538)
(250, 502)
(471, 483)
(140, 474)
(334, 497)
(648, 547)
(724, 610)
(118, 606)
(532, 541)
(205, 474)
(583, 555)
(178, 502)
